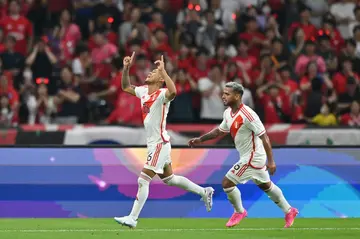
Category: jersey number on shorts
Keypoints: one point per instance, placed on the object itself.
(236, 168)
(149, 157)
(239, 170)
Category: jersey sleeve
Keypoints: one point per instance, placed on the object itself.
(223, 126)
(254, 123)
(162, 96)
(139, 91)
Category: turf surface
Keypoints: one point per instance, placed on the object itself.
(177, 228)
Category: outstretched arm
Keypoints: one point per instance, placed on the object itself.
(213, 134)
(125, 81)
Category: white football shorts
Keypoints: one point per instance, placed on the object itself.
(159, 156)
(242, 172)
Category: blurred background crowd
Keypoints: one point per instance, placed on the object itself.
(61, 60)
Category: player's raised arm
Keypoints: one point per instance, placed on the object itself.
(125, 81)
(213, 134)
(171, 89)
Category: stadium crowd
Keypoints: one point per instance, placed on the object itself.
(299, 60)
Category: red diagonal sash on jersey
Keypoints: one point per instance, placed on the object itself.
(147, 105)
(236, 125)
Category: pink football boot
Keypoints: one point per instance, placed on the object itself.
(236, 218)
(290, 217)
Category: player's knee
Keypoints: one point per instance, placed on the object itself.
(265, 186)
(144, 180)
(226, 183)
(171, 180)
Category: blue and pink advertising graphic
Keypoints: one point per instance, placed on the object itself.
(102, 182)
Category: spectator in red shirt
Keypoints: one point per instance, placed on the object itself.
(141, 68)
(160, 42)
(304, 23)
(352, 118)
(68, 34)
(112, 93)
(249, 62)
(156, 21)
(138, 46)
(276, 105)
(253, 36)
(340, 78)
(220, 56)
(102, 55)
(111, 36)
(184, 59)
(289, 84)
(127, 111)
(329, 28)
(267, 72)
(19, 27)
(201, 66)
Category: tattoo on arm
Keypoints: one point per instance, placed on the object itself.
(213, 134)
(125, 81)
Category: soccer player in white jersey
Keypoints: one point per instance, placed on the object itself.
(254, 147)
(155, 102)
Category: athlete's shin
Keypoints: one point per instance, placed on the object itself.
(184, 183)
(277, 196)
(234, 197)
(142, 195)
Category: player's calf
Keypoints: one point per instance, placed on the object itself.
(184, 183)
(234, 197)
(277, 196)
(141, 197)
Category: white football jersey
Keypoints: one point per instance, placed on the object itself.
(245, 127)
(155, 108)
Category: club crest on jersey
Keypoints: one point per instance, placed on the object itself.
(145, 109)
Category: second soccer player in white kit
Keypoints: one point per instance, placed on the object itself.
(256, 158)
(155, 102)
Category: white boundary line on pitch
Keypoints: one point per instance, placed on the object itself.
(177, 230)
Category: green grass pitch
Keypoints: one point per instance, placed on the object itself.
(177, 228)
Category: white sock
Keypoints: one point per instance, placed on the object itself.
(234, 197)
(141, 197)
(184, 183)
(277, 196)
